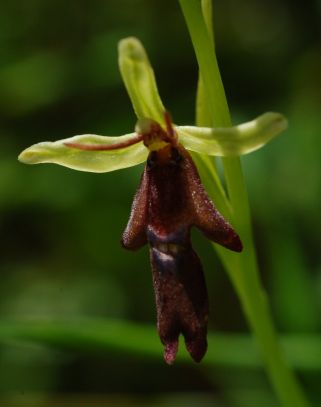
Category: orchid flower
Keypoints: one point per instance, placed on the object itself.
(170, 199)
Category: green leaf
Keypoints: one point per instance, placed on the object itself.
(119, 337)
(92, 161)
(139, 79)
(233, 141)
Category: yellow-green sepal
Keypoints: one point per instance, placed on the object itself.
(91, 161)
(139, 79)
(233, 141)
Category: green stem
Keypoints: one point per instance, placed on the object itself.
(242, 268)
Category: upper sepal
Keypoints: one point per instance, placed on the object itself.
(232, 141)
(83, 160)
(139, 79)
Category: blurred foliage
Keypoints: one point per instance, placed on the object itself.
(60, 230)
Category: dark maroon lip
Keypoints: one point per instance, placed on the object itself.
(169, 201)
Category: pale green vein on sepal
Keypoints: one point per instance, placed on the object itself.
(139, 79)
(233, 141)
(92, 161)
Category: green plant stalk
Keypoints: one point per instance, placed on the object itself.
(242, 268)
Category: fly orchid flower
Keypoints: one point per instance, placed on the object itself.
(170, 199)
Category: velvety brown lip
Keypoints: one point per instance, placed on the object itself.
(169, 201)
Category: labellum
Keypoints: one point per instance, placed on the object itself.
(169, 201)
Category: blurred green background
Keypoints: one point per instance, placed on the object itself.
(61, 258)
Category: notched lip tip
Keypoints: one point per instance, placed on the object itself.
(169, 361)
(198, 359)
(197, 350)
(170, 352)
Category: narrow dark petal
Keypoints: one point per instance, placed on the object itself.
(203, 213)
(197, 346)
(134, 235)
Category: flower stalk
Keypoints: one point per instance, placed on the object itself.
(212, 109)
